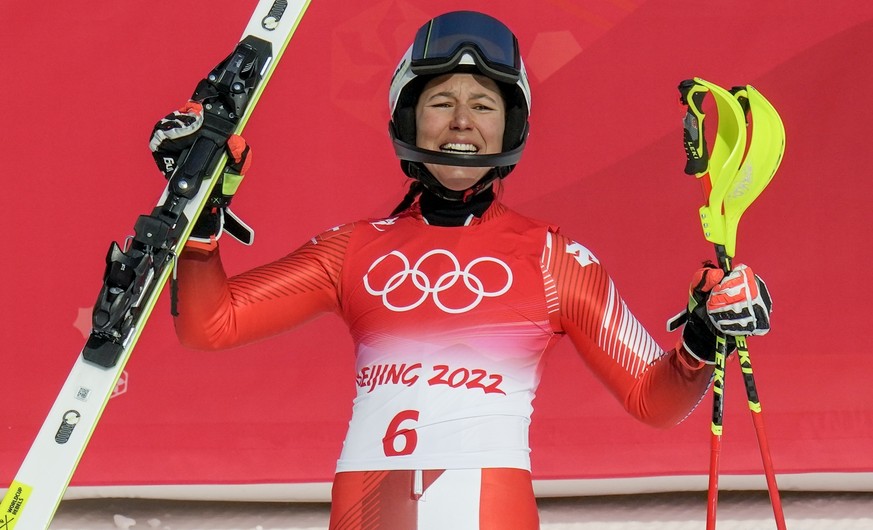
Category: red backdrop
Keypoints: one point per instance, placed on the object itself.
(84, 85)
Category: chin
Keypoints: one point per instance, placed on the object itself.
(457, 178)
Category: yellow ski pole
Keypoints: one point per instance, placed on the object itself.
(729, 189)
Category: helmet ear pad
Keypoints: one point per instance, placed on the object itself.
(516, 128)
(403, 119)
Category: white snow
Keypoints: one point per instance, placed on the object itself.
(737, 510)
(123, 522)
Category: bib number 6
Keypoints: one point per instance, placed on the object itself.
(398, 440)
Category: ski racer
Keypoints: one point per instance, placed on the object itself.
(452, 301)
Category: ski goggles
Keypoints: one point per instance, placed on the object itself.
(441, 44)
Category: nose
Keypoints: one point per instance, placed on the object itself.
(462, 119)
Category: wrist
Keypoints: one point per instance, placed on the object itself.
(198, 244)
(698, 340)
(688, 359)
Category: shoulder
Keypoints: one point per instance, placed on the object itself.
(373, 226)
(563, 253)
(555, 240)
(380, 225)
(500, 211)
(339, 231)
(507, 220)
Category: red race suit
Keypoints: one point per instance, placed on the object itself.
(450, 326)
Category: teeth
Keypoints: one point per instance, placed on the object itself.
(459, 148)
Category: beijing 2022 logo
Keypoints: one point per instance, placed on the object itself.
(427, 287)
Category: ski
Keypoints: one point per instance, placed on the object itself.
(137, 271)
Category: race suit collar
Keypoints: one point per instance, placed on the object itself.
(441, 212)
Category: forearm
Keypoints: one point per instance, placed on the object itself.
(660, 392)
(205, 314)
(669, 390)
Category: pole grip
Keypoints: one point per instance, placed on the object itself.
(691, 94)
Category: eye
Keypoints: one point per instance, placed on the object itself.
(439, 102)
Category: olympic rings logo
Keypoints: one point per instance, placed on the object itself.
(445, 282)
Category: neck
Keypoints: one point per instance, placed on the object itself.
(442, 212)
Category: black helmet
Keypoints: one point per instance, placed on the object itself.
(460, 41)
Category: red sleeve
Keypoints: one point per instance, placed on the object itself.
(659, 388)
(219, 312)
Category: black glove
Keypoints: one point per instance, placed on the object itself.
(699, 335)
(177, 132)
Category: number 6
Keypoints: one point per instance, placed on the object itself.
(410, 437)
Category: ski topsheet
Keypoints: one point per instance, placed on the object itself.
(136, 273)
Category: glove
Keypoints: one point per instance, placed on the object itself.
(699, 335)
(740, 304)
(175, 133)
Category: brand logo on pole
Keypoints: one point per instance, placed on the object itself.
(413, 275)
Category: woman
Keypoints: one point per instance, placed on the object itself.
(452, 302)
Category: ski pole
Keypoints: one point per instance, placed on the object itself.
(711, 170)
(729, 191)
(758, 168)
